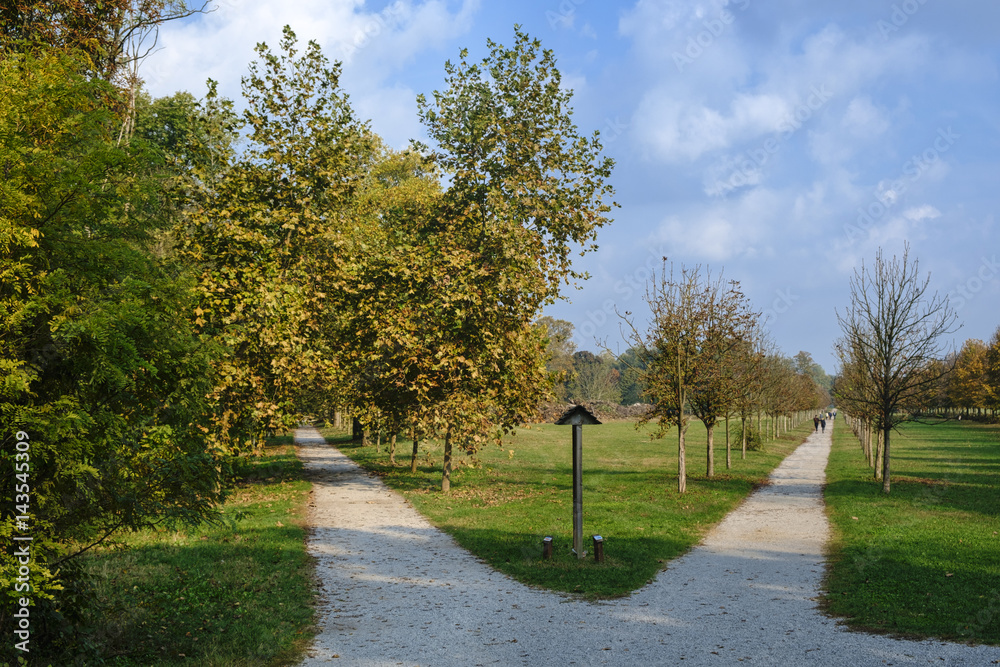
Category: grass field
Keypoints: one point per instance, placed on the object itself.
(924, 561)
(238, 594)
(505, 500)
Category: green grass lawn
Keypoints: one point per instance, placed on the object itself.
(924, 561)
(505, 500)
(239, 594)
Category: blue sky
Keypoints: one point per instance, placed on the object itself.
(783, 142)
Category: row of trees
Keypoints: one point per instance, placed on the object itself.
(178, 280)
(973, 386)
(893, 363)
(705, 354)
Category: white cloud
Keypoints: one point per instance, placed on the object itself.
(682, 118)
(724, 229)
(675, 132)
(863, 119)
(921, 213)
(370, 44)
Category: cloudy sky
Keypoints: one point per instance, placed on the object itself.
(782, 142)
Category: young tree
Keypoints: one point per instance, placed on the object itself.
(748, 361)
(696, 322)
(730, 322)
(890, 337)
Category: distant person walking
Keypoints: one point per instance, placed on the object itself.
(815, 423)
(822, 423)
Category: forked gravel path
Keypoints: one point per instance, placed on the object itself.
(397, 591)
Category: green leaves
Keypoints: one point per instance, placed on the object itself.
(270, 231)
(519, 168)
(107, 377)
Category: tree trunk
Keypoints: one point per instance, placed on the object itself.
(392, 449)
(446, 474)
(743, 428)
(729, 449)
(709, 451)
(885, 460)
(879, 454)
(866, 437)
(413, 459)
(681, 464)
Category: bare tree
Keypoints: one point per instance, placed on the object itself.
(891, 333)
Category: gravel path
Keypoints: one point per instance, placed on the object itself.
(397, 591)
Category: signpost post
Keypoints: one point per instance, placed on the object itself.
(577, 417)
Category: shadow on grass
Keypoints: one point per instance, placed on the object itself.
(880, 589)
(232, 598)
(630, 561)
(944, 494)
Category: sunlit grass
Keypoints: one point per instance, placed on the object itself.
(925, 560)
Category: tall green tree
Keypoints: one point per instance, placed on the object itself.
(630, 365)
(525, 190)
(595, 377)
(805, 365)
(105, 379)
(520, 172)
(274, 239)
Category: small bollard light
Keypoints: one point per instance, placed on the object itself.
(598, 549)
(547, 548)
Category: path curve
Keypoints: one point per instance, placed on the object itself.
(397, 591)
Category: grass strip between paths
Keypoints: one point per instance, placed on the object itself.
(240, 594)
(925, 560)
(504, 501)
